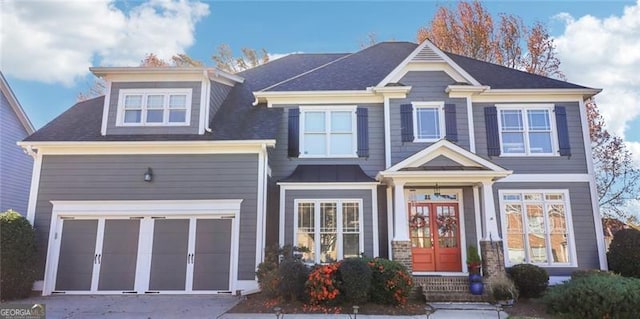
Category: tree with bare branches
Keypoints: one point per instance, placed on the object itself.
(250, 58)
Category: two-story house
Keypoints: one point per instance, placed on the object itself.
(177, 179)
(15, 165)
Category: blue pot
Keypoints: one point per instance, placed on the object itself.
(476, 288)
(475, 278)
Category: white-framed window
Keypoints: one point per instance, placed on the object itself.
(538, 227)
(527, 130)
(328, 131)
(153, 107)
(330, 228)
(428, 121)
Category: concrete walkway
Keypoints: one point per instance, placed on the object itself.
(208, 306)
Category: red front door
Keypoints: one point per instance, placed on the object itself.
(435, 236)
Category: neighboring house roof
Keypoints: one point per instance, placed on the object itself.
(328, 174)
(15, 105)
(356, 71)
(500, 77)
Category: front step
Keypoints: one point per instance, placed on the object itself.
(448, 288)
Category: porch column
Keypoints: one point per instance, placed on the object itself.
(491, 244)
(401, 245)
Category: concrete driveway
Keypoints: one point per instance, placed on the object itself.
(125, 307)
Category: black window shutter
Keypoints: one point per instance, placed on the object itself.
(406, 122)
(363, 131)
(294, 132)
(491, 124)
(563, 131)
(451, 127)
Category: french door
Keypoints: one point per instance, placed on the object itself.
(435, 237)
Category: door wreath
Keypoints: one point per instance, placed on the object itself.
(417, 221)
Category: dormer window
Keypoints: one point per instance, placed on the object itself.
(150, 107)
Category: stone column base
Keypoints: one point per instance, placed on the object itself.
(402, 253)
(492, 258)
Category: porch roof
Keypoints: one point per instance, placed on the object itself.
(328, 174)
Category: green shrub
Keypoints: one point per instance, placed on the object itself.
(599, 296)
(322, 285)
(292, 276)
(624, 255)
(473, 260)
(503, 288)
(18, 264)
(355, 276)
(391, 282)
(267, 272)
(530, 280)
(590, 272)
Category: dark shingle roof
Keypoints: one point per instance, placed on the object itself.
(500, 77)
(356, 71)
(328, 174)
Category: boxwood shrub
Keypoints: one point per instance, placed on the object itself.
(18, 264)
(530, 280)
(355, 277)
(595, 296)
(624, 255)
(292, 276)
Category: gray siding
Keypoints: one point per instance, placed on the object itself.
(113, 108)
(15, 165)
(575, 164)
(176, 177)
(282, 166)
(582, 217)
(365, 195)
(219, 92)
(471, 237)
(426, 86)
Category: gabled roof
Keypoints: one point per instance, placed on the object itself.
(15, 105)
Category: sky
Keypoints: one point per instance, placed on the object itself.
(47, 46)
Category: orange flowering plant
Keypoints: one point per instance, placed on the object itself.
(322, 285)
(391, 282)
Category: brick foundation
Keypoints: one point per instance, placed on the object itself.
(402, 253)
(492, 258)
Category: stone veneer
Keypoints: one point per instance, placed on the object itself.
(402, 253)
(492, 258)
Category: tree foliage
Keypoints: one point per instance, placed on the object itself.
(250, 58)
(470, 30)
(617, 179)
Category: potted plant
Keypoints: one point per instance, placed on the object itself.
(503, 290)
(476, 286)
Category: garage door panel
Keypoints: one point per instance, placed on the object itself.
(119, 255)
(77, 255)
(169, 254)
(212, 254)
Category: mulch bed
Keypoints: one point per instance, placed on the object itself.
(529, 308)
(258, 303)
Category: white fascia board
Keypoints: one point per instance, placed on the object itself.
(147, 207)
(534, 95)
(316, 97)
(547, 178)
(117, 74)
(15, 105)
(461, 91)
(445, 176)
(154, 147)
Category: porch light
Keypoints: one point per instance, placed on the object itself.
(436, 190)
(148, 175)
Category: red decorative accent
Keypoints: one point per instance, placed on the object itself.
(417, 221)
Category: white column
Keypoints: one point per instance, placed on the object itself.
(490, 217)
(401, 220)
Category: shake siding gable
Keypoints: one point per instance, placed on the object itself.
(175, 177)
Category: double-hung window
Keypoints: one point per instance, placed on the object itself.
(328, 132)
(154, 107)
(428, 118)
(330, 229)
(527, 130)
(537, 224)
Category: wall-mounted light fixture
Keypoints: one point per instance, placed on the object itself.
(148, 175)
(436, 190)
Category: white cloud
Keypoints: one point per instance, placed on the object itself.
(634, 147)
(605, 53)
(57, 41)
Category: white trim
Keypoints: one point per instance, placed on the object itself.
(154, 147)
(400, 215)
(326, 186)
(556, 280)
(144, 93)
(387, 133)
(568, 218)
(490, 221)
(439, 107)
(204, 105)
(597, 217)
(277, 99)
(261, 206)
(144, 207)
(546, 178)
(472, 132)
(374, 221)
(339, 227)
(105, 108)
(15, 105)
(327, 110)
(390, 234)
(524, 108)
(164, 74)
(33, 189)
(530, 95)
(282, 216)
(477, 214)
